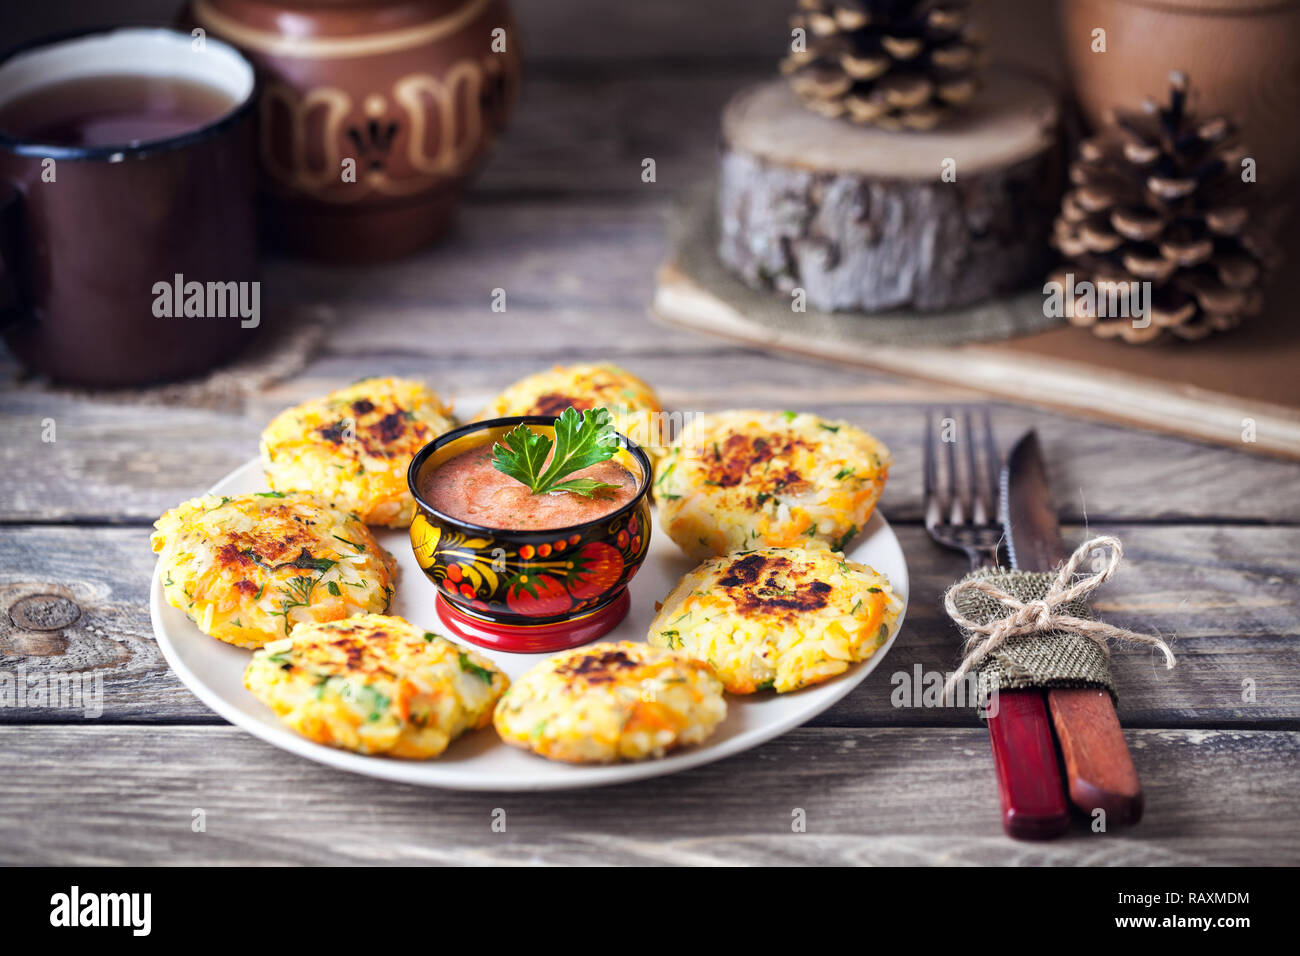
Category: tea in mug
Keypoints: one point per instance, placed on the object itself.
(112, 110)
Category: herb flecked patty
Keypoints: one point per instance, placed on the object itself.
(376, 685)
(777, 618)
(632, 403)
(609, 702)
(752, 479)
(353, 446)
(247, 568)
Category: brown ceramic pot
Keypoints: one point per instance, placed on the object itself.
(1241, 56)
(373, 112)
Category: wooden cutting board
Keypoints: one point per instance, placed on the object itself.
(1240, 389)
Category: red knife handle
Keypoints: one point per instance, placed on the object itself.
(1097, 760)
(1029, 783)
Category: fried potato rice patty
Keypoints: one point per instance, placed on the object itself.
(632, 403)
(376, 685)
(247, 568)
(778, 618)
(617, 700)
(353, 446)
(739, 480)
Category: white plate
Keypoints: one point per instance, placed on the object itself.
(479, 760)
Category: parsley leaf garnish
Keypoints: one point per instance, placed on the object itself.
(580, 441)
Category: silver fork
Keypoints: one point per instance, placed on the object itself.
(961, 500)
(961, 512)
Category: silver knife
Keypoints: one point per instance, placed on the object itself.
(1097, 760)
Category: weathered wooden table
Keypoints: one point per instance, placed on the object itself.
(564, 223)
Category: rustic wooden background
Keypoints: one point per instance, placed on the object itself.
(562, 221)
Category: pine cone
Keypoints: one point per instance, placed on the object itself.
(900, 64)
(1158, 197)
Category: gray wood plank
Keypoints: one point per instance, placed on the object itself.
(102, 795)
(1225, 595)
(131, 462)
(104, 575)
(574, 274)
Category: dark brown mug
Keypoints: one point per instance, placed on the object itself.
(132, 263)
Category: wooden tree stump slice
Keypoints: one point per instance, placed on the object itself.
(862, 219)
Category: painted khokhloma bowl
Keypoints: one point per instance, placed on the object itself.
(529, 590)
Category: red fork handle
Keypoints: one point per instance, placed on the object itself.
(1029, 783)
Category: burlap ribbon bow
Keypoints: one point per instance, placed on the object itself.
(1033, 629)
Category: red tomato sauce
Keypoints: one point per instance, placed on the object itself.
(468, 488)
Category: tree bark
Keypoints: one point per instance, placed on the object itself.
(867, 220)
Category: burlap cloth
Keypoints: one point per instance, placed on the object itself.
(1047, 659)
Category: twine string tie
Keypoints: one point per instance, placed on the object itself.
(1045, 614)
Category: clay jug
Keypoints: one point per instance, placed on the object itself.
(372, 113)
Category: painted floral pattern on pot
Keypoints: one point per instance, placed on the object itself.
(534, 575)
